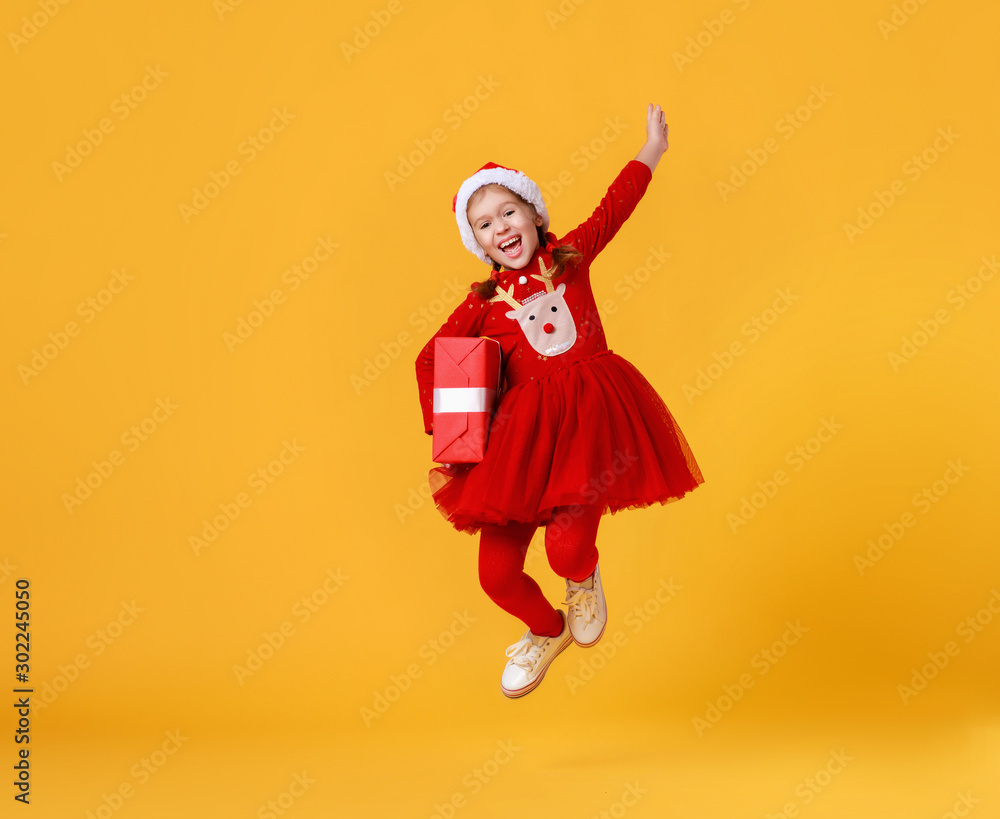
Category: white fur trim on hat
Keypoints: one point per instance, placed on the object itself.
(492, 174)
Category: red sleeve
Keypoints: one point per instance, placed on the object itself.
(617, 205)
(465, 321)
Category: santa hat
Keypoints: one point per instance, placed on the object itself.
(493, 174)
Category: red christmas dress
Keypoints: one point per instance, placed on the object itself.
(576, 423)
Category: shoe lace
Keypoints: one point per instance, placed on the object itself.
(582, 602)
(525, 653)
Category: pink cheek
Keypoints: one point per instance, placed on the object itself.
(548, 328)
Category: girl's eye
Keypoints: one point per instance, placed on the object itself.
(508, 213)
(484, 225)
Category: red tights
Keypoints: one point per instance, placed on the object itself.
(570, 544)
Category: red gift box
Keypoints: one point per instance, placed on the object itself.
(466, 382)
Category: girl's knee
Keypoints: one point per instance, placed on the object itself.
(496, 581)
(571, 541)
(577, 565)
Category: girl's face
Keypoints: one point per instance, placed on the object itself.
(505, 227)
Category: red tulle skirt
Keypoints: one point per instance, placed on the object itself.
(592, 433)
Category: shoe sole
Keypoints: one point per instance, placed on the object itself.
(520, 692)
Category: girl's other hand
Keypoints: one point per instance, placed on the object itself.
(656, 127)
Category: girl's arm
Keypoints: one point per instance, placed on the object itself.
(466, 320)
(656, 137)
(592, 236)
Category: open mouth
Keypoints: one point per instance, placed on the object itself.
(511, 247)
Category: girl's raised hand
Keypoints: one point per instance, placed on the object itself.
(656, 127)
(656, 137)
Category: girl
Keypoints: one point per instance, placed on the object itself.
(577, 432)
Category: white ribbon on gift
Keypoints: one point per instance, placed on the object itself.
(463, 399)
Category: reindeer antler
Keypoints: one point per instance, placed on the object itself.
(546, 277)
(507, 296)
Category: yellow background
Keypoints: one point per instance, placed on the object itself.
(327, 379)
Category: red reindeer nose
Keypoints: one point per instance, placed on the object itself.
(548, 328)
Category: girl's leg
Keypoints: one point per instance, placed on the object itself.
(502, 550)
(571, 544)
(571, 541)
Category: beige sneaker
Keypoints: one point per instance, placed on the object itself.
(530, 658)
(588, 613)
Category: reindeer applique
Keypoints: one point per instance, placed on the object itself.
(544, 318)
